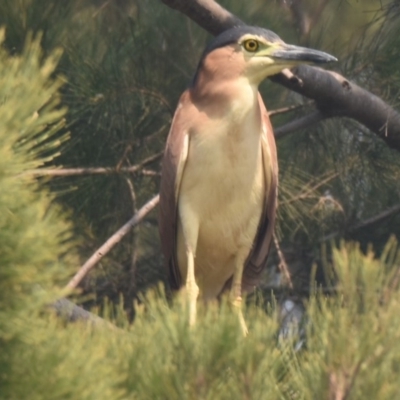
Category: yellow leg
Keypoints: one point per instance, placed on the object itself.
(236, 290)
(190, 229)
(191, 288)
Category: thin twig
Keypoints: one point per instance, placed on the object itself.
(317, 15)
(377, 218)
(283, 267)
(134, 254)
(300, 17)
(311, 189)
(284, 110)
(127, 150)
(298, 124)
(151, 93)
(111, 242)
(149, 172)
(363, 224)
(94, 170)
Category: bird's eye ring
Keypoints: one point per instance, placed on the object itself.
(251, 45)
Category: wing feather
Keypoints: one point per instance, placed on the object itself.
(257, 259)
(173, 164)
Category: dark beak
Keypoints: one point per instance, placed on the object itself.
(302, 55)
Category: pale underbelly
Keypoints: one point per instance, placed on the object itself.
(225, 209)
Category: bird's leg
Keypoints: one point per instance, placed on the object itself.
(236, 290)
(191, 287)
(190, 228)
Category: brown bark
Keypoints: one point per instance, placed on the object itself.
(333, 94)
(206, 13)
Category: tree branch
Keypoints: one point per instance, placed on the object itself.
(72, 313)
(206, 13)
(287, 109)
(111, 242)
(369, 221)
(283, 267)
(297, 124)
(96, 170)
(376, 218)
(333, 94)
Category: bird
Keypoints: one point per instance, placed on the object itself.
(219, 173)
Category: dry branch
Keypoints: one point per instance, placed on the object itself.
(71, 312)
(97, 170)
(285, 110)
(206, 13)
(367, 222)
(283, 267)
(333, 94)
(111, 242)
(297, 124)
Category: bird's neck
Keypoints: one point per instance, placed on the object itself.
(219, 93)
(221, 79)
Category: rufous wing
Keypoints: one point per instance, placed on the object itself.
(257, 259)
(173, 165)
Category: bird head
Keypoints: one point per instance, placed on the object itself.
(256, 53)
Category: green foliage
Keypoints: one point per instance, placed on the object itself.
(353, 336)
(30, 116)
(34, 235)
(352, 347)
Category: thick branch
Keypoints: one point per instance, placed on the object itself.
(111, 242)
(206, 13)
(337, 97)
(333, 94)
(72, 313)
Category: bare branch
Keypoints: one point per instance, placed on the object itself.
(376, 218)
(297, 124)
(111, 242)
(317, 15)
(334, 95)
(369, 221)
(207, 13)
(134, 254)
(96, 170)
(300, 17)
(308, 190)
(150, 172)
(287, 109)
(283, 267)
(72, 313)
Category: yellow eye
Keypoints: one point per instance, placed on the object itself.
(251, 45)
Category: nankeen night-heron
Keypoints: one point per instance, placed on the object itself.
(219, 178)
